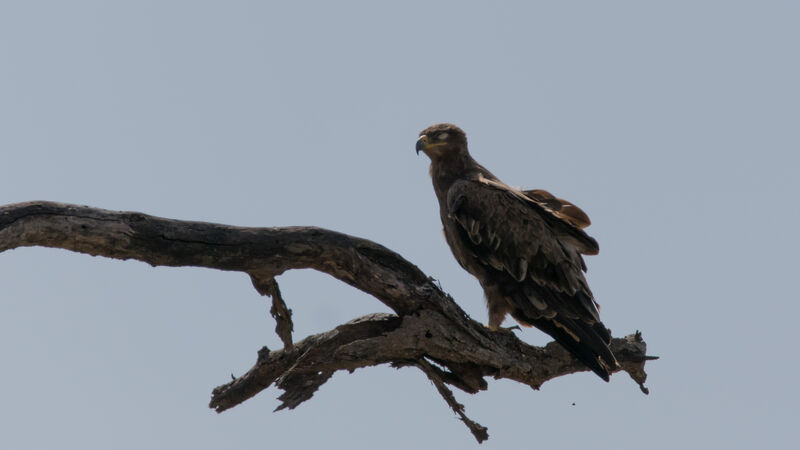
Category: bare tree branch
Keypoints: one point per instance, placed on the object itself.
(428, 330)
(438, 377)
(279, 310)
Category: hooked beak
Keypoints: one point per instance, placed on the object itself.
(422, 143)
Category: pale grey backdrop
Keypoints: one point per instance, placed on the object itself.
(673, 124)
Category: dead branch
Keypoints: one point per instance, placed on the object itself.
(429, 330)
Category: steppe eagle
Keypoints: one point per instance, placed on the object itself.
(524, 247)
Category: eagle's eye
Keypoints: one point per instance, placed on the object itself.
(442, 136)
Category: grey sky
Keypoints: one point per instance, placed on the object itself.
(673, 124)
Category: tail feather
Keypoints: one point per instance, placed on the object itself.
(590, 347)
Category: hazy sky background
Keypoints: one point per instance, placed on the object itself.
(675, 125)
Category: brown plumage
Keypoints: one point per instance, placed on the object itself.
(524, 247)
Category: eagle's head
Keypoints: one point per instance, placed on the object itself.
(441, 141)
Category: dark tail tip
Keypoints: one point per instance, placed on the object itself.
(592, 348)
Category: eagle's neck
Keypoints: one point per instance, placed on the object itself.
(456, 166)
(446, 170)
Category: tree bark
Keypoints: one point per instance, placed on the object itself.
(428, 330)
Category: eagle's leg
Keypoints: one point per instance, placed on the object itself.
(499, 307)
(496, 317)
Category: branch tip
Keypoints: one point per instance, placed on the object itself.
(480, 432)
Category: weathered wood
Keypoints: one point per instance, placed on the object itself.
(428, 330)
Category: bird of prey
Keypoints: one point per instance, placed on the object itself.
(524, 247)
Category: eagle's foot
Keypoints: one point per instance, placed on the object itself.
(507, 330)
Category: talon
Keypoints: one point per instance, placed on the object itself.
(507, 330)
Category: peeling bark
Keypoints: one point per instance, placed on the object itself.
(428, 331)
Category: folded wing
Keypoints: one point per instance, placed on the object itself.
(530, 244)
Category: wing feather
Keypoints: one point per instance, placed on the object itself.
(505, 228)
(559, 207)
(508, 232)
(567, 219)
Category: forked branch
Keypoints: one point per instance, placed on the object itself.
(428, 330)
